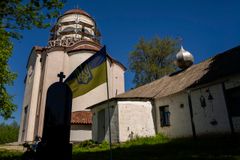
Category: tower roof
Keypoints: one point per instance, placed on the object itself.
(77, 11)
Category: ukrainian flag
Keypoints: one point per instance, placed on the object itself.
(88, 75)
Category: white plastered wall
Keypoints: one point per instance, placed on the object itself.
(98, 94)
(80, 133)
(30, 98)
(135, 119)
(92, 97)
(215, 111)
(180, 123)
(116, 79)
(56, 62)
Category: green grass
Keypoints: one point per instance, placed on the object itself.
(155, 148)
(161, 148)
(10, 155)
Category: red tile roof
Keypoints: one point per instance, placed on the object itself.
(81, 117)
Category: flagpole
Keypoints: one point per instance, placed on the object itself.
(108, 106)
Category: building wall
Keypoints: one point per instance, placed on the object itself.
(234, 82)
(30, 98)
(56, 62)
(180, 123)
(135, 119)
(76, 58)
(99, 94)
(114, 122)
(116, 79)
(80, 133)
(214, 117)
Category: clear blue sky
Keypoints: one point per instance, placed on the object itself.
(207, 27)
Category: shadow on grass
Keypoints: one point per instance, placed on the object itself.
(214, 147)
(222, 148)
(10, 155)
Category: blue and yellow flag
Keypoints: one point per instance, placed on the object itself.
(88, 75)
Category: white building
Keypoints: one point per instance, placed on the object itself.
(202, 99)
(74, 38)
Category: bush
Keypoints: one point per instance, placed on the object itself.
(8, 132)
(87, 144)
(158, 139)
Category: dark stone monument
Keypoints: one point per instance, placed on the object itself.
(56, 130)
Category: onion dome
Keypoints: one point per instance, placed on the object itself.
(184, 59)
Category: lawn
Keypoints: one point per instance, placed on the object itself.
(154, 148)
(159, 147)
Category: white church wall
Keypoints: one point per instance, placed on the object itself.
(135, 119)
(116, 80)
(77, 58)
(214, 117)
(180, 123)
(30, 98)
(80, 133)
(25, 107)
(56, 62)
(82, 102)
(90, 98)
(34, 99)
(99, 94)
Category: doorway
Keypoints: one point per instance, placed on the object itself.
(101, 125)
(233, 100)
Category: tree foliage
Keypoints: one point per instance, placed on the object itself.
(17, 15)
(8, 132)
(6, 76)
(152, 59)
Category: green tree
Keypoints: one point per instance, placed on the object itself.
(9, 132)
(17, 15)
(152, 59)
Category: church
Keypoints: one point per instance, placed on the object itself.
(73, 39)
(199, 99)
